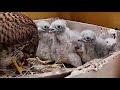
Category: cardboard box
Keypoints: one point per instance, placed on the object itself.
(108, 67)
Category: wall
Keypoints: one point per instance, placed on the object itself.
(65, 15)
(107, 19)
(42, 15)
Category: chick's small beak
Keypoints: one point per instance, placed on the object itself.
(80, 39)
(51, 30)
(40, 30)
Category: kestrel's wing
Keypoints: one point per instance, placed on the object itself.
(16, 29)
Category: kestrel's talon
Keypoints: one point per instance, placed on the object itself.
(19, 69)
(19, 38)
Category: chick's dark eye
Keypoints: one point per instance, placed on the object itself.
(87, 38)
(45, 27)
(58, 27)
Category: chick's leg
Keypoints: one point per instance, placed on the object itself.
(44, 62)
(19, 69)
(56, 65)
(48, 61)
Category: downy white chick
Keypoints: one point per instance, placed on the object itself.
(92, 46)
(111, 44)
(110, 33)
(112, 41)
(63, 49)
(113, 33)
(45, 41)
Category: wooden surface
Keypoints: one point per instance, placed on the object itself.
(40, 15)
(107, 19)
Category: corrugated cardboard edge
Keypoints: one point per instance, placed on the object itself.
(54, 74)
(96, 66)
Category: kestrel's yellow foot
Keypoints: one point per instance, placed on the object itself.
(44, 62)
(19, 69)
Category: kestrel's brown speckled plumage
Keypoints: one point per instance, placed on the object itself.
(18, 35)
